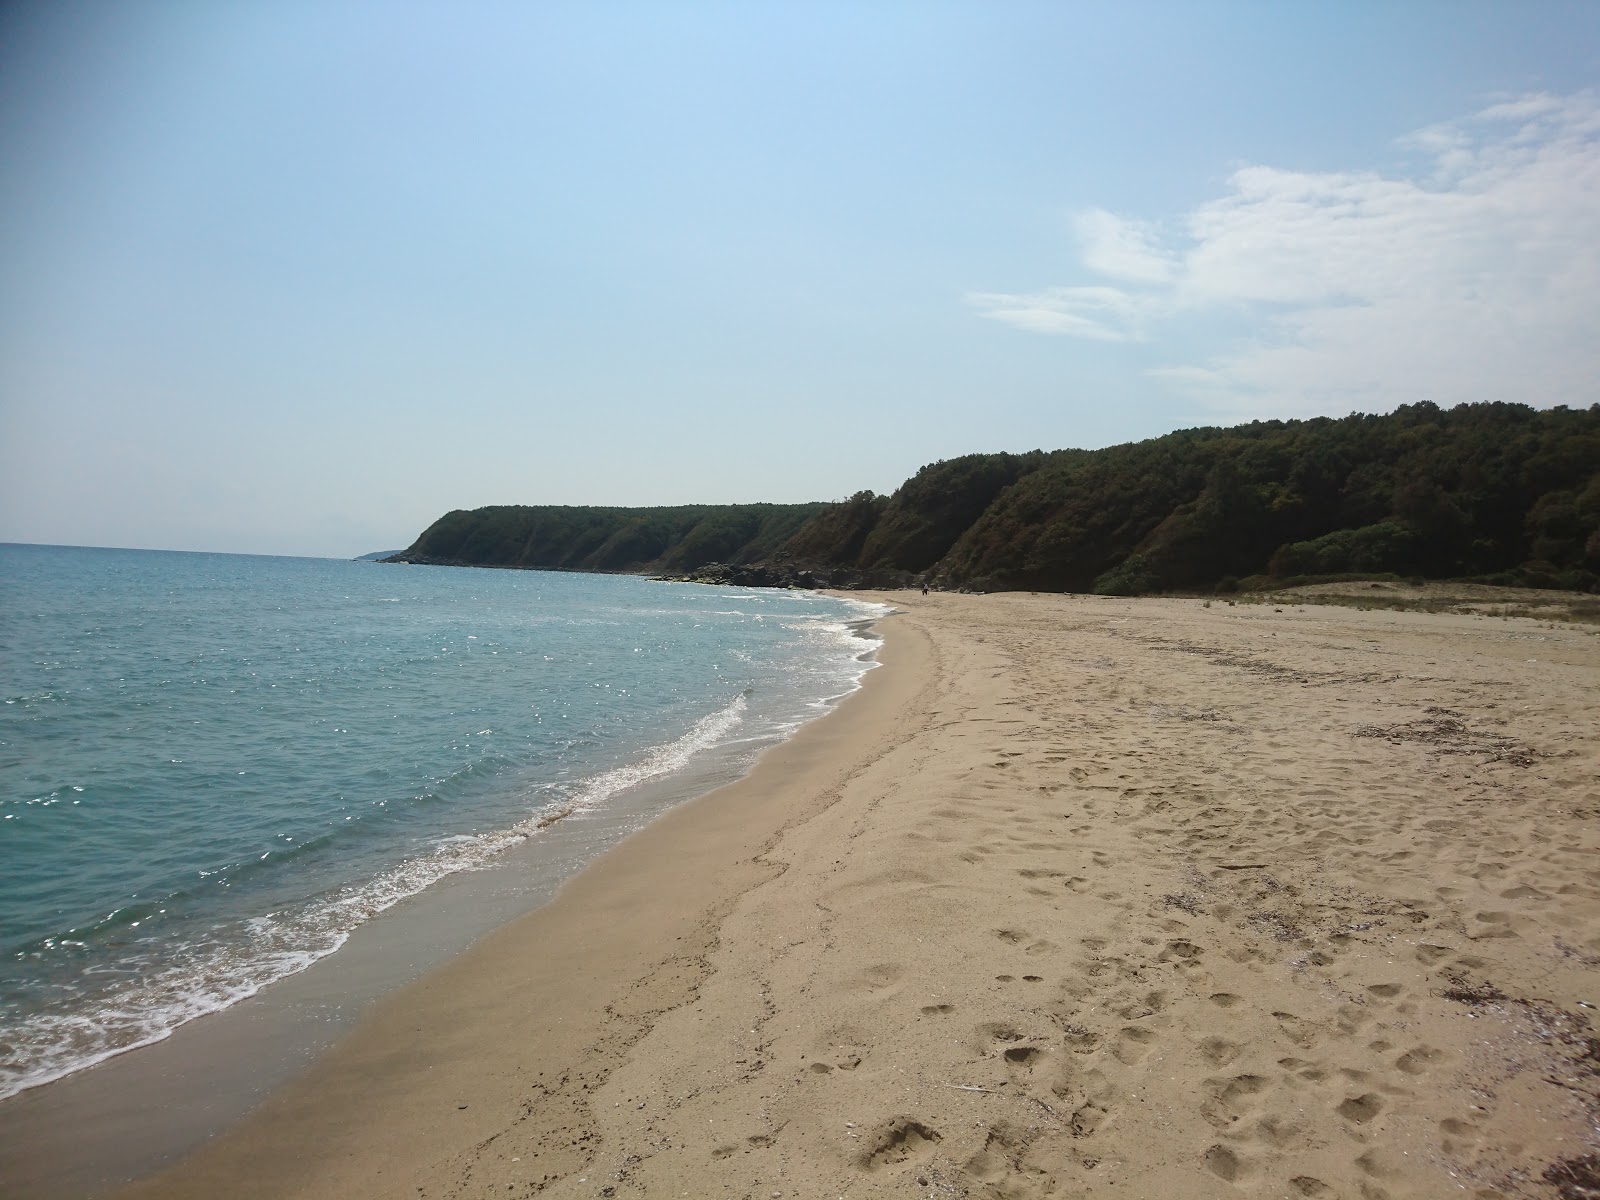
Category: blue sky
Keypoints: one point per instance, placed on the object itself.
(298, 277)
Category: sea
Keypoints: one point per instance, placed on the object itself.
(215, 767)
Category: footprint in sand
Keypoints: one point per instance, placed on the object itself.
(1428, 955)
(1026, 1057)
(1492, 925)
(879, 978)
(1219, 1051)
(1231, 1100)
(1225, 1164)
(1310, 1185)
(1182, 951)
(998, 1156)
(1132, 1044)
(1079, 1039)
(899, 1140)
(1087, 1119)
(1359, 1110)
(1301, 1069)
(1295, 1030)
(1524, 892)
(1418, 1061)
(1458, 1136)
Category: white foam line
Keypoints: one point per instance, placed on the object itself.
(149, 1011)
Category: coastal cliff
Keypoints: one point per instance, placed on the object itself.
(1501, 493)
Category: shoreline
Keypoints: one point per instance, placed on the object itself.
(536, 973)
(153, 1103)
(1130, 897)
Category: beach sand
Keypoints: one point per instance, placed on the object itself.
(1077, 896)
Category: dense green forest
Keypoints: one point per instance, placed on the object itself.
(671, 540)
(1499, 492)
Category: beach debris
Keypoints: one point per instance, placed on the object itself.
(1446, 733)
(1575, 1178)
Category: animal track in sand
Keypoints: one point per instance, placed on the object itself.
(842, 1048)
(938, 1010)
(1224, 999)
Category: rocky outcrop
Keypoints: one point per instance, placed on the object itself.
(793, 575)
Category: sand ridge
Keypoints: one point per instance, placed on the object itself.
(1079, 896)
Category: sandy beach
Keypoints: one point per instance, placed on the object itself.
(1076, 896)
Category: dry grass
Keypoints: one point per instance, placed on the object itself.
(1470, 599)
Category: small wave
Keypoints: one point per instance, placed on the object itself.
(45, 1046)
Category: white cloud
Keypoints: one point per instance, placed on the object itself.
(1102, 313)
(1121, 248)
(1476, 279)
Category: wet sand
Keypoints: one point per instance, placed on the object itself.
(1137, 898)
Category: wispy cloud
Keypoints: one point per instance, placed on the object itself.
(1104, 313)
(1123, 249)
(1475, 277)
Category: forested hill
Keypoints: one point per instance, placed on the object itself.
(671, 540)
(1501, 492)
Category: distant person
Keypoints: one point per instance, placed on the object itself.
(924, 589)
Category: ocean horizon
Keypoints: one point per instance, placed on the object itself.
(218, 766)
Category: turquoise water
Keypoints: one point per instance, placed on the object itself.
(214, 767)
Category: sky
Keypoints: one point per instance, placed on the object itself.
(299, 277)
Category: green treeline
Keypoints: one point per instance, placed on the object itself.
(673, 540)
(1500, 492)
